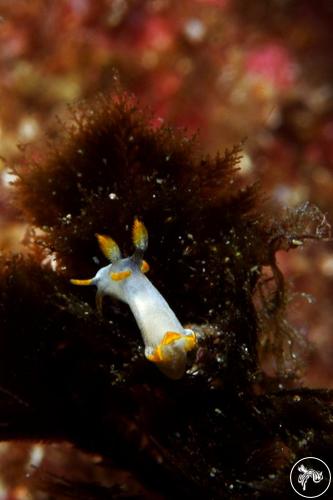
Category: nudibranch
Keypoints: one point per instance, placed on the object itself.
(166, 341)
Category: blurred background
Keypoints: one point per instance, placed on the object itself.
(230, 71)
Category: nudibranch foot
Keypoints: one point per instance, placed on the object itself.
(166, 341)
(162, 352)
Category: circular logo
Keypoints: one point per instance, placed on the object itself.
(310, 477)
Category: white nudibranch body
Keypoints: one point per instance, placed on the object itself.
(166, 341)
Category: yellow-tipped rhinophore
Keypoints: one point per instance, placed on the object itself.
(82, 282)
(109, 247)
(140, 235)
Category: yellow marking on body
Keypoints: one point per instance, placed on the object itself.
(151, 357)
(144, 267)
(81, 282)
(157, 356)
(140, 235)
(120, 276)
(170, 337)
(109, 247)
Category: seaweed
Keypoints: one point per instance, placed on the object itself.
(227, 429)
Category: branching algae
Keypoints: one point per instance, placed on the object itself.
(227, 429)
(166, 341)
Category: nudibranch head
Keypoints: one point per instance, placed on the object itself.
(110, 280)
(166, 341)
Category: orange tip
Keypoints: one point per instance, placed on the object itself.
(82, 282)
(144, 267)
